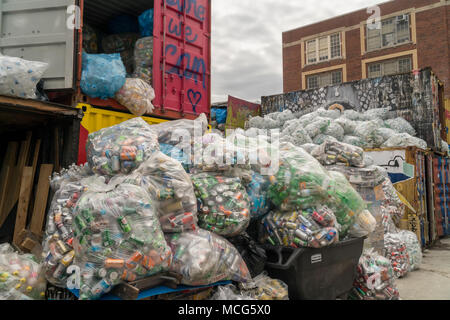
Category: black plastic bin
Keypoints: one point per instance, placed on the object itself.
(316, 274)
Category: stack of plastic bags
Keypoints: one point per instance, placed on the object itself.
(21, 277)
(375, 279)
(371, 129)
(397, 253)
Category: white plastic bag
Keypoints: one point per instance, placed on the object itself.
(19, 77)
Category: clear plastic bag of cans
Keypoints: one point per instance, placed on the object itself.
(73, 173)
(315, 228)
(335, 152)
(225, 205)
(137, 96)
(321, 138)
(348, 125)
(203, 258)
(375, 279)
(119, 42)
(143, 59)
(171, 187)
(90, 39)
(230, 292)
(257, 191)
(317, 126)
(368, 132)
(302, 183)
(335, 130)
(118, 238)
(183, 132)
(21, 276)
(354, 141)
(413, 247)
(19, 77)
(400, 125)
(121, 148)
(58, 253)
(404, 140)
(397, 253)
(262, 287)
(392, 200)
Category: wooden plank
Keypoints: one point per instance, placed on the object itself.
(24, 199)
(36, 156)
(56, 149)
(8, 163)
(14, 183)
(4, 196)
(40, 204)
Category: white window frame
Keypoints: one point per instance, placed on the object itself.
(318, 75)
(317, 48)
(380, 35)
(382, 63)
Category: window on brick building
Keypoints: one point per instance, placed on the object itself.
(324, 79)
(393, 31)
(323, 48)
(390, 67)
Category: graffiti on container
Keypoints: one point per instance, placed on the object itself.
(189, 5)
(190, 69)
(194, 98)
(175, 28)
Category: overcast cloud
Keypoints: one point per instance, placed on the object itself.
(246, 41)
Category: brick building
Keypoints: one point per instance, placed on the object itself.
(412, 34)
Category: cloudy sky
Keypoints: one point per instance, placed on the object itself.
(246, 41)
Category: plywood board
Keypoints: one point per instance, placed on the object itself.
(40, 203)
(24, 199)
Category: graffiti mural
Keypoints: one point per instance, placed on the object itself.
(413, 96)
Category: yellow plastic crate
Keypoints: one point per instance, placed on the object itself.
(95, 119)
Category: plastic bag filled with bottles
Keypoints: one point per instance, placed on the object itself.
(121, 148)
(257, 191)
(375, 279)
(118, 237)
(137, 96)
(302, 183)
(203, 258)
(225, 205)
(396, 252)
(143, 60)
(263, 287)
(181, 133)
(334, 152)
(315, 228)
(57, 246)
(19, 77)
(414, 249)
(404, 140)
(400, 125)
(103, 75)
(171, 188)
(230, 292)
(21, 276)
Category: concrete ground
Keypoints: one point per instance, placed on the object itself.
(432, 280)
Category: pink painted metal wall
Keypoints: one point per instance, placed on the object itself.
(182, 56)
